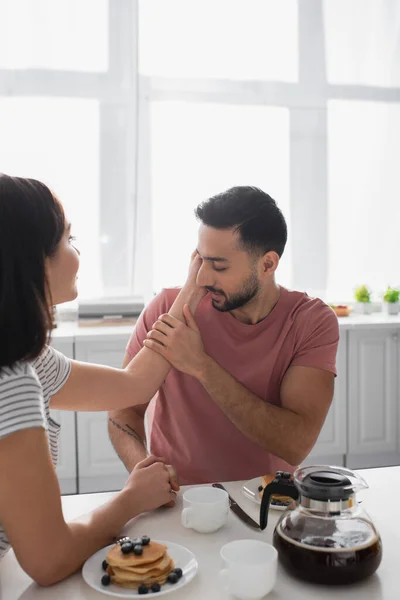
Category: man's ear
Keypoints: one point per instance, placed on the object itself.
(269, 263)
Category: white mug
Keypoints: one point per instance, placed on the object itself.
(205, 509)
(250, 567)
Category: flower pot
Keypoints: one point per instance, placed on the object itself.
(363, 308)
(392, 308)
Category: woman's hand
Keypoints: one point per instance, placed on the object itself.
(194, 267)
(194, 292)
(150, 485)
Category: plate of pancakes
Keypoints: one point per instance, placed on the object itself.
(253, 489)
(124, 569)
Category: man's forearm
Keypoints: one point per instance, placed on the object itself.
(275, 429)
(127, 434)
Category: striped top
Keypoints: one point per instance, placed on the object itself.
(25, 392)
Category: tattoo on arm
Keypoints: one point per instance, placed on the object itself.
(128, 429)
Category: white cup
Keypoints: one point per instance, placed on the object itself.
(250, 567)
(205, 509)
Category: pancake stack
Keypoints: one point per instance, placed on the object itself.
(130, 570)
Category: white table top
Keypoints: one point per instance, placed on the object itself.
(165, 524)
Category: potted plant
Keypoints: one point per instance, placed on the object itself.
(391, 300)
(362, 296)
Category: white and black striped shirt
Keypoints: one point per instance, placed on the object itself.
(25, 392)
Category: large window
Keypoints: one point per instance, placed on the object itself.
(364, 206)
(41, 142)
(299, 98)
(134, 111)
(68, 81)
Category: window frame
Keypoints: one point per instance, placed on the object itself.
(125, 96)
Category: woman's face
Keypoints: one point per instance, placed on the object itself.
(62, 269)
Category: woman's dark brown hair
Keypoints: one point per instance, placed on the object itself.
(32, 223)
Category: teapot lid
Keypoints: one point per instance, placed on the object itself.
(322, 484)
(326, 485)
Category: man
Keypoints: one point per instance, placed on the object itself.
(252, 374)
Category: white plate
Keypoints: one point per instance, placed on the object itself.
(92, 572)
(250, 490)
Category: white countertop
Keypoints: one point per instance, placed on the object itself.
(380, 501)
(377, 319)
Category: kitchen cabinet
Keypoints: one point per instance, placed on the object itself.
(100, 468)
(373, 398)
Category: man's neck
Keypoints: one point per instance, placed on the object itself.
(257, 309)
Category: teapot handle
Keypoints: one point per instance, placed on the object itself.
(281, 486)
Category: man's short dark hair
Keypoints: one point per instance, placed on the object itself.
(32, 224)
(252, 213)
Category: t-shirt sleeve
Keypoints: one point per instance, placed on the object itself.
(55, 366)
(160, 304)
(320, 339)
(21, 401)
(63, 366)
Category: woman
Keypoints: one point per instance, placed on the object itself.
(38, 268)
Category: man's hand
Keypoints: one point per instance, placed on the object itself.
(178, 343)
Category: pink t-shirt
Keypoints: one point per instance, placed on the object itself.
(188, 427)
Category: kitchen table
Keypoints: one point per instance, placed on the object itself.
(381, 501)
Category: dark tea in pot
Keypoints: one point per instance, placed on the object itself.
(331, 560)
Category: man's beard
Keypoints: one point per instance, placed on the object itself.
(247, 292)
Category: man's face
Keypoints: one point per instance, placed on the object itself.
(227, 272)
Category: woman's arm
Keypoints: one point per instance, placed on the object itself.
(98, 388)
(48, 548)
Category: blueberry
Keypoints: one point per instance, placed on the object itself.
(137, 540)
(145, 540)
(126, 547)
(178, 571)
(104, 564)
(143, 589)
(156, 587)
(173, 577)
(105, 580)
(138, 549)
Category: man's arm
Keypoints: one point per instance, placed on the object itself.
(288, 431)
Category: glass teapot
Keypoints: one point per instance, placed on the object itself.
(324, 536)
